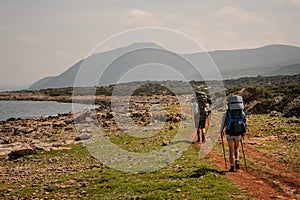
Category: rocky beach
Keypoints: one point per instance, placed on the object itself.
(19, 137)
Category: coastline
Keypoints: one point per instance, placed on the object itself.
(24, 136)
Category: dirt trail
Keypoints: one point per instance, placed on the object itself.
(271, 180)
(274, 182)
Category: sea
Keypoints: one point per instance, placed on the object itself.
(32, 109)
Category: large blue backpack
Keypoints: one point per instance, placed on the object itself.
(235, 117)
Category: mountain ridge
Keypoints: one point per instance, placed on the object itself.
(262, 61)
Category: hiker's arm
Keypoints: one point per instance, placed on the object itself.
(223, 124)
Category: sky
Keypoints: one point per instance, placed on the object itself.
(40, 38)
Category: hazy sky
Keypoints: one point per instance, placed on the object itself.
(41, 38)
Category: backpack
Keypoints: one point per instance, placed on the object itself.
(236, 119)
(201, 100)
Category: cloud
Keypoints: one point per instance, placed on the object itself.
(294, 2)
(245, 29)
(239, 16)
(28, 39)
(297, 2)
(64, 54)
(138, 18)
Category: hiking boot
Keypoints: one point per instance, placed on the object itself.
(231, 169)
(203, 139)
(237, 165)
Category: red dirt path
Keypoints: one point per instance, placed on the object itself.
(274, 182)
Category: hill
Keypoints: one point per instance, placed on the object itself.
(265, 61)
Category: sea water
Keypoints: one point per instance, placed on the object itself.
(31, 109)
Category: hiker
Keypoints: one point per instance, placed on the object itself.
(200, 110)
(235, 127)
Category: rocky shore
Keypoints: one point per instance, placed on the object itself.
(19, 137)
(38, 96)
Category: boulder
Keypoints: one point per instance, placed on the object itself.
(165, 142)
(59, 124)
(176, 119)
(293, 120)
(275, 113)
(20, 151)
(83, 136)
(69, 121)
(42, 146)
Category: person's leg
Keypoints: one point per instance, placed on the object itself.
(197, 126)
(198, 135)
(203, 130)
(236, 151)
(231, 153)
(203, 135)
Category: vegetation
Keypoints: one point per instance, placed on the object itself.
(270, 143)
(75, 174)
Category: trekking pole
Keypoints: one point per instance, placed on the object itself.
(223, 150)
(244, 154)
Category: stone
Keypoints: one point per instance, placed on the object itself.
(7, 148)
(69, 121)
(85, 130)
(20, 151)
(42, 146)
(88, 120)
(68, 128)
(165, 142)
(46, 123)
(83, 136)
(293, 120)
(176, 119)
(59, 124)
(10, 119)
(275, 113)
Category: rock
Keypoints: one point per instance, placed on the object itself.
(42, 146)
(22, 129)
(176, 119)
(69, 121)
(6, 129)
(68, 142)
(171, 127)
(46, 123)
(293, 120)
(18, 152)
(7, 148)
(165, 142)
(83, 136)
(59, 148)
(10, 119)
(88, 120)
(277, 197)
(109, 115)
(275, 113)
(85, 130)
(49, 189)
(293, 108)
(59, 124)
(68, 128)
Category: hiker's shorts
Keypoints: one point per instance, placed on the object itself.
(233, 137)
(199, 123)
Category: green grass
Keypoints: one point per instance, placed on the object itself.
(285, 147)
(74, 173)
